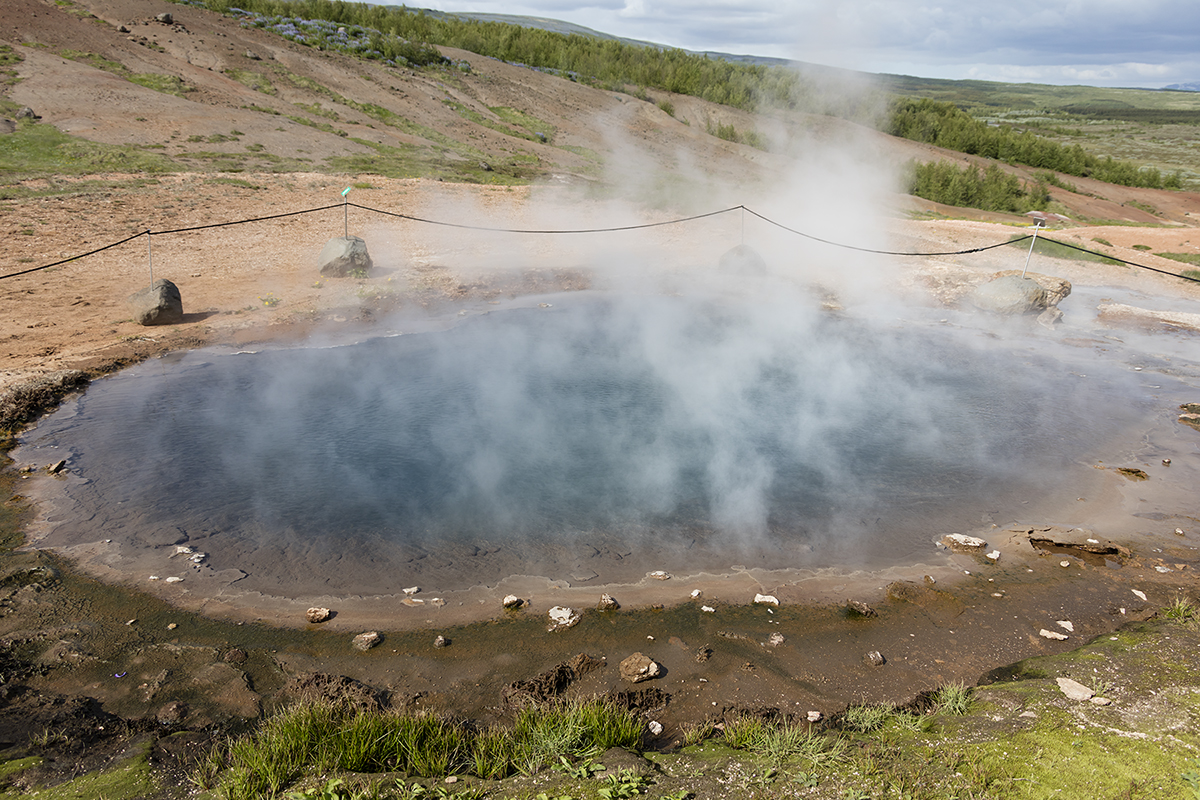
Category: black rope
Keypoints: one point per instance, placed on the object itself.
(592, 230)
(884, 252)
(560, 231)
(73, 258)
(242, 221)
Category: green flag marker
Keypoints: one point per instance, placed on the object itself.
(346, 191)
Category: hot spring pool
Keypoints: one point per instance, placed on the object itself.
(588, 442)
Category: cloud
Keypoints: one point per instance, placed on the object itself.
(1101, 42)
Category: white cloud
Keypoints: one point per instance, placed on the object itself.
(1105, 42)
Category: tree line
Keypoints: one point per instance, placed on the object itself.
(946, 125)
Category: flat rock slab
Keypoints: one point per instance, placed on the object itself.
(1074, 690)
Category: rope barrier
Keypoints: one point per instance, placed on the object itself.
(567, 231)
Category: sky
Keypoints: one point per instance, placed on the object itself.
(1127, 43)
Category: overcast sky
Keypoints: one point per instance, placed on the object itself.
(1147, 43)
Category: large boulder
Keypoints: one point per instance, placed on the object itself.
(343, 256)
(1010, 295)
(1057, 289)
(742, 260)
(157, 304)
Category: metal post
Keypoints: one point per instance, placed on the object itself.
(1036, 228)
(150, 257)
(743, 224)
(346, 210)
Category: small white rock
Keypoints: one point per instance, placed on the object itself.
(766, 599)
(709, 609)
(1102, 701)
(1161, 568)
(655, 727)
(365, 641)
(814, 716)
(1074, 689)
(659, 575)
(174, 579)
(1045, 634)
(775, 639)
(512, 601)
(994, 555)
(959, 540)
(412, 590)
(412, 601)
(1065, 625)
(562, 617)
(695, 592)
(1139, 594)
(1064, 564)
(154, 577)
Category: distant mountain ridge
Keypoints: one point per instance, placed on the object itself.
(1194, 86)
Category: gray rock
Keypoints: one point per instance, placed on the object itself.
(253, 56)
(1074, 690)
(1057, 289)
(344, 255)
(441, 641)
(316, 614)
(860, 609)
(165, 18)
(742, 260)
(875, 658)
(158, 304)
(365, 641)
(607, 603)
(639, 667)
(1010, 295)
(27, 113)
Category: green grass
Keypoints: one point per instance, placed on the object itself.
(527, 121)
(1053, 249)
(253, 80)
(954, 698)
(1182, 258)
(324, 738)
(167, 84)
(35, 149)
(131, 780)
(868, 717)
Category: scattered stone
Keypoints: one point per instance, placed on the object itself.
(742, 260)
(1101, 701)
(165, 18)
(775, 639)
(236, 655)
(1166, 462)
(639, 667)
(512, 601)
(696, 592)
(412, 590)
(1074, 690)
(994, 555)
(1139, 594)
(1064, 564)
(172, 713)
(451, 779)
(961, 543)
(659, 575)
(412, 601)
(655, 727)
(158, 304)
(122, 29)
(174, 579)
(607, 603)
(814, 716)
(56, 467)
(27, 113)
(929, 580)
(875, 658)
(486, 167)
(1162, 569)
(1179, 531)
(317, 615)
(1066, 625)
(562, 618)
(1133, 473)
(253, 56)
(441, 641)
(365, 641)
(343, 256)
(708, 609)
(703, 654)
(437, 602)
(1045, 634)
(1010, 295)
(172, 626)
(861, 609)
(766, 599)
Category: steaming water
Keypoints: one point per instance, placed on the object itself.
(594, 440)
